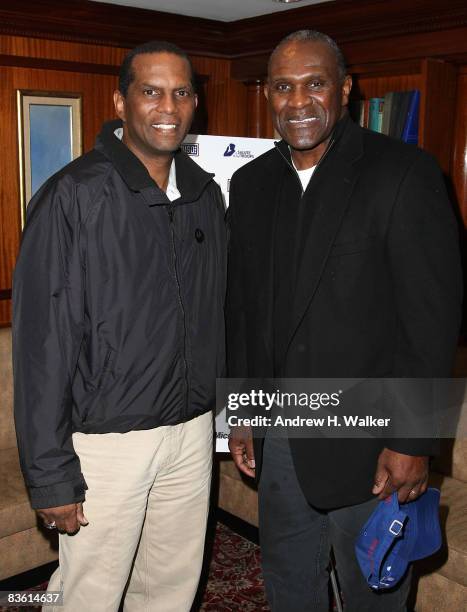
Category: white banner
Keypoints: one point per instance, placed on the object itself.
(222, 155)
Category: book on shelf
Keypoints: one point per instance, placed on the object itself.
(376, 114)
(359, 110)
(395, 115)
(387, 109)
(400, 117)
(410, 131)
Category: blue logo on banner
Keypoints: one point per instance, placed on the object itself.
(230, 150)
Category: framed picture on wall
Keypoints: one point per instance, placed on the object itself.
(49, 134)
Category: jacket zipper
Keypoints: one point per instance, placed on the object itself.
(170, 211)
(331, 144)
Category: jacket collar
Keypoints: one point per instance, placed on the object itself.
(345, 139)
(191, 178)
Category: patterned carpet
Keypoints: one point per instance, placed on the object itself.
(232, 580)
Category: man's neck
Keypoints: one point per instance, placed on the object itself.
(157, 166)
(303, 160)
(159, 170)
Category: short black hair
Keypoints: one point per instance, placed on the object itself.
(314, 36)
(127, 75)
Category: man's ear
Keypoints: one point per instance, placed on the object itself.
(266, 91)
(346, 87)
(196, 100)
(119, 103)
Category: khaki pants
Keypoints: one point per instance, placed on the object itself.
(147, 506)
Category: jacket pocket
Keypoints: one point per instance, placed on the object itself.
(354, 246)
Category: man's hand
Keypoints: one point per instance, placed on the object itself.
(241, 449)
(402, 473)
(67, 519)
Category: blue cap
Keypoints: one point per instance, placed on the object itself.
(395, 535)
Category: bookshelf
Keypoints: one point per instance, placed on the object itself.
(436, 81)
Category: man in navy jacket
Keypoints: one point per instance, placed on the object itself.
(118, 338)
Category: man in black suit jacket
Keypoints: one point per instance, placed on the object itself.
(351, 273)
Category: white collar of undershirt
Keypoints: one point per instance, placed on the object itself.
(303, 175)
(172, 191)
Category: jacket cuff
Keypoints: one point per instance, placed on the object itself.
(60, 494)
(420, 447)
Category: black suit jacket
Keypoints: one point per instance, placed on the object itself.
(377, 292)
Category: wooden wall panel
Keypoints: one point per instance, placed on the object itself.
(259, 122)
(415, 45)
(237, 109)
(349, 22)
(9, 184)
(96, 91)
(254, 100)
(224, 97)
(438, 100)
(354, 23)
(376, 87)
(60, 50)
(109, 24)
(5, 313)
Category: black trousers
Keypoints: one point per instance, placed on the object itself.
(296, 540)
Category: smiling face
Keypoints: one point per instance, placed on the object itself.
(158, 109)
(307, 97)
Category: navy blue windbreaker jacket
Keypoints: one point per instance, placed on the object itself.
(118, 299)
